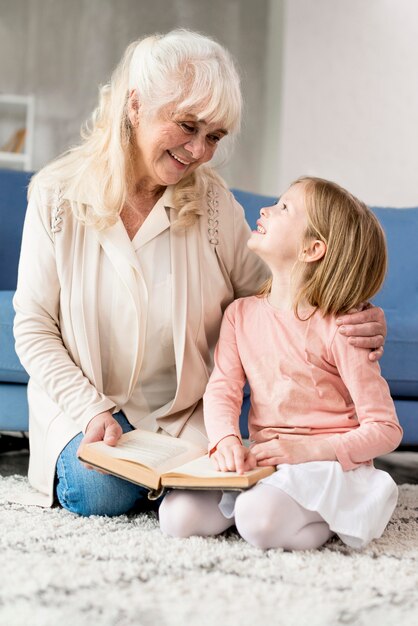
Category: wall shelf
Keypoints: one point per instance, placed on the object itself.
(17, 114)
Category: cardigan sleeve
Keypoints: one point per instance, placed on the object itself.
(39, 343)
(223, 396)
(378, 431)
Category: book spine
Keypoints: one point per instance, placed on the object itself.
(154, 494)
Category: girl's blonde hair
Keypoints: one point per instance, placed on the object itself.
(354, 265)
(181, 71)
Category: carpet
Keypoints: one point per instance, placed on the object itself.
(58, 569)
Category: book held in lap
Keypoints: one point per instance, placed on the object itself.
(159, 462)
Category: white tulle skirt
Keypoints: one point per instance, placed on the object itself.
(357, 505)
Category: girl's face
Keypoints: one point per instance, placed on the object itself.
(169, 149)
(280, 232)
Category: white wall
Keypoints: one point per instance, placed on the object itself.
(344, 81)
(61, 50)
(331, 86)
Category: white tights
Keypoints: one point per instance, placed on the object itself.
(265, 516)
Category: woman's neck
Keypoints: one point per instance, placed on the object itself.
(138, 205)
(145, 191)
(142, 188)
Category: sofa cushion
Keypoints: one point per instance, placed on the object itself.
(399, 300)
(14, 407)
(407, 412)
(11, 370)
(13, 191)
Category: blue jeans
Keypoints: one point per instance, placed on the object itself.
(87, 492)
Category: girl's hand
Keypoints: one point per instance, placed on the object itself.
(278, 451)
(366, 328)
(103, 427)
(231, 456)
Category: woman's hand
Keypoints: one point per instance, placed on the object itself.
(278, 451)
(103, 427)
(366, 329)
(231, 456)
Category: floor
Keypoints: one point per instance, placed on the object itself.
(402, 465)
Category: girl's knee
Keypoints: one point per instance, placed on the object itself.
(187, 513)
(310, 537)
(253, 522)
(256, 529)
(177, 513)
(268, 518)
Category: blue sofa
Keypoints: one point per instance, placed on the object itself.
(399, 299)
(13, 378)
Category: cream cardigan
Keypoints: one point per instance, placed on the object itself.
(57, 305)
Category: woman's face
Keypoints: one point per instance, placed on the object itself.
(169, 149)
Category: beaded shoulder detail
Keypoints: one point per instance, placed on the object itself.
(57, 213)
(213, 214)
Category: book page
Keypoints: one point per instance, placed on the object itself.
(202, 467)
(159, 452)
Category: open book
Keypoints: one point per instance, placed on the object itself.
(159, 461)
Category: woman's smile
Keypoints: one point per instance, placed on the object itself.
(167, 150)
(182, 161)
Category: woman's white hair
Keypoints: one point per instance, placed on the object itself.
(181, 71)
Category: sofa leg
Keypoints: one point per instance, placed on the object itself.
(13, 443)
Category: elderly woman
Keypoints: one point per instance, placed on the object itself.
(131, 251)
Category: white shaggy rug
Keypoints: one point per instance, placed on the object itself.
(57, 569)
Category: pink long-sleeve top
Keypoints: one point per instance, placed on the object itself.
(306, 380)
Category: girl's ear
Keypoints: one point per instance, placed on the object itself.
(133, 108)
(313, 251)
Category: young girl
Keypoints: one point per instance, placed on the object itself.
(320, 410)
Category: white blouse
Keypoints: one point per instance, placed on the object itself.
(157, 382)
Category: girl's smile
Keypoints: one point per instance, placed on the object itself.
(260, 228)
(280, 231)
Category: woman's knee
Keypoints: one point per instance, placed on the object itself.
(108, 503)
(87, 492)
(98, 495)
